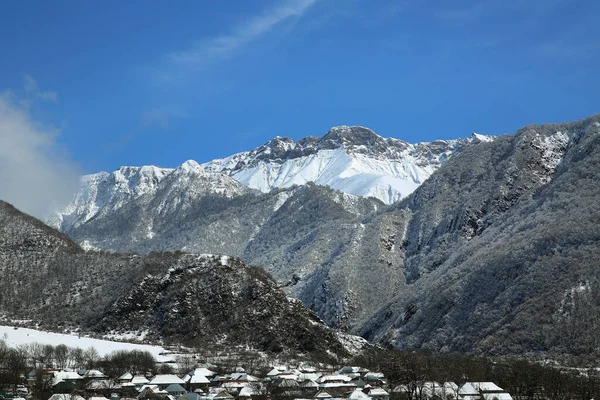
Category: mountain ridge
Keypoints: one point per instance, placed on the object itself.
(354, 160)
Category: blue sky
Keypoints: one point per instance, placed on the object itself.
(147, 82)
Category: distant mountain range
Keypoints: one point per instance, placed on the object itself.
(353, 160)
(491, 247)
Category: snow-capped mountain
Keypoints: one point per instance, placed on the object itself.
(354, 160)
(351, 159)
(103, 193)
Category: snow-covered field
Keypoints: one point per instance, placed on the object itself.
(15, 337)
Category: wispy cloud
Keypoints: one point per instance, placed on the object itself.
(181, 65)
(35, 173)
(33, 92)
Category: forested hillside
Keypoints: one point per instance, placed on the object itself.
(182, 298)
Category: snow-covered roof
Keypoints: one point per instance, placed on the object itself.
(248, 391)
(202, 371)
(234, 385)
(322, 395)
(126, 377)
(139, 380)
(359, 395)
(374, 375)
(378, 392)
(305, 376)
(287, 376)
(166, 379)
(154, 388)
(196, 379)
(486, 386)
(337, 385)
(307, 368)
(59, 376)
(467, 389)
(101, 384)
(335, 378)
(497, 396)
(94, 373)
(65, 396)
(242, 376)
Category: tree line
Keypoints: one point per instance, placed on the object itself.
(523, 379)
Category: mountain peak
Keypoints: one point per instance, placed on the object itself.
(349, 135)
(189, 167)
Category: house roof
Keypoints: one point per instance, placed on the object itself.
(202, 371)
(196, 378)
(126, 377)
(306, 376)
(189, 396)
(468, 389)
(94, 373)
(63, 396)
(335, 378)
(497, 396)
(378, 392)
(175, 388)
(166, 380)
(139, 380)
(60, 376)
(359, 395)
(322, 395)
(486, 386)
(248, 391)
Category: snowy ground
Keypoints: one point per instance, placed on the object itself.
(15, 337)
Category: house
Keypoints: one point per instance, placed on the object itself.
(198, 379)
(322, 395)
(65, 381)
(151, 392)
(336, 384)
(190, 396)
(94, 374)
(175, 389)
(217, 394)
(249, 391)
(126, 377)
(138, 381)
(482, 391)
(163, 381)
(443, 391)
(377, 393)
(63, 396)
(358, 394)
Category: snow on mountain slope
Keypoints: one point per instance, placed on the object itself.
(103, 193)
(354, 160)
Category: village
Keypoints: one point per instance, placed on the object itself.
(281, 382)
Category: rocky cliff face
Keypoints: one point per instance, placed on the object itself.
(500, 254)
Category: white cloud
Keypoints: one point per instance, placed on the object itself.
(35, 175)
(180, 65)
